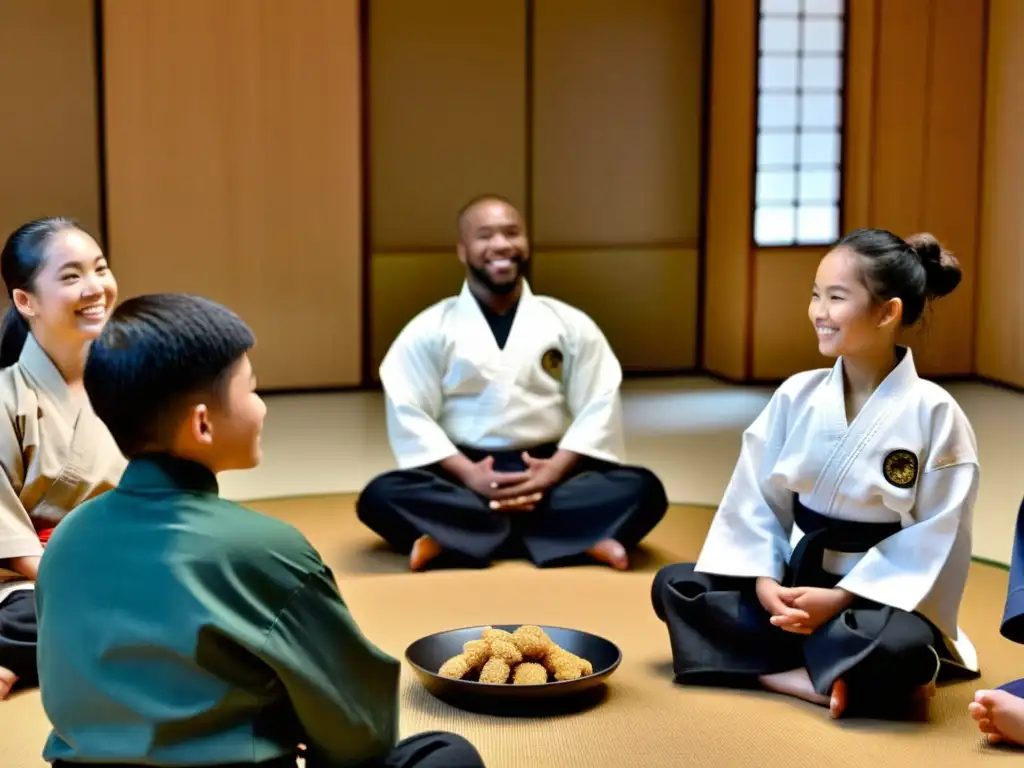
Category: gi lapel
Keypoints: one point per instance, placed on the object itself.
(871, 419)
(64, 448)
(476, 344)
(47, 381)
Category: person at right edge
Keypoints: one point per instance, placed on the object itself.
(1000, 713)
(836, 563)
(177, 628)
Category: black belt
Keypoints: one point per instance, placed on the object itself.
(806, 567)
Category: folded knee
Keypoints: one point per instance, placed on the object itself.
(648, 487)
(448, 749)
(379, 492)
(665, 577)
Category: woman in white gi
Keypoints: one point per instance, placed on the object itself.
(834, 568)
(54, 452)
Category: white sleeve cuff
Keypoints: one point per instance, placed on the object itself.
(22, 546)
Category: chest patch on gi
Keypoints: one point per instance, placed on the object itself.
(551, 362)
(900, 468)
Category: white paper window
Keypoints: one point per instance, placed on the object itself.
(799, 122)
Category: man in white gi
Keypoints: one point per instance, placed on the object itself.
(504, 415)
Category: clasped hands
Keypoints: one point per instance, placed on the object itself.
(514, 491)
(801, 610)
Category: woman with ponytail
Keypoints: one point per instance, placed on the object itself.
(54, 452)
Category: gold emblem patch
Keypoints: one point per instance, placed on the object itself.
(900, 468)
(551, 362)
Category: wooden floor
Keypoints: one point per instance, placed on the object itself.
(645, 719)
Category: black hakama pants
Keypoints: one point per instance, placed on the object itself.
(720, 634)
(18, 633)
(1012, 627)
(598, 500)
(434, 749)
(1016, 688)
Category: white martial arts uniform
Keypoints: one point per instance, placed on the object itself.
(448, 384)
(909, 459)
(55, 453)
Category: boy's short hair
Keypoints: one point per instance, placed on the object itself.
(155, 355)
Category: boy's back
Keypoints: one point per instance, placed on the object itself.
(179, 629)
(225, 641)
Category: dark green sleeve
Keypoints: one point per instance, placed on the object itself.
(343, 689)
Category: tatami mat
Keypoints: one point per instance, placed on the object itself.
(645, 720)
(686, 430)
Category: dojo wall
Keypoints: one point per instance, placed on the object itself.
(912, 149)
(224, 147)
(48, 137)
(586, 114)
(233, 169)
(1000, 327)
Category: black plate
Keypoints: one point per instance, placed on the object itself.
(427, 654)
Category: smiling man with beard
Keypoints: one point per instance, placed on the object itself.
(504, 415)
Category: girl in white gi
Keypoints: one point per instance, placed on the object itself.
(834, 568)
(54, 452)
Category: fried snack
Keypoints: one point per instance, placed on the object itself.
(490, 633)
(530, 673)
(456, 668)
(566, 666)
(532, 642)
(502, 649)
(527, 655)
(563, 665)
(496, 670)
(476, 653)
(586, 668)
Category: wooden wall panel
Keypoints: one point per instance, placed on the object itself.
(944, 343)
(911, 157)
(644, 300)
(784, 341)
(234, 169)
(48, 139)
(447, 114)
(403, 285)
(1000, 327)
(616, 169)
(728, 263)
(616, 115)
(900, 114)
(617, 122)
(447, 122)
(862, 19)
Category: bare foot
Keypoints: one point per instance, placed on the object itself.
(795, 682)
(610, 552)
(838, 700)
(7, 681)
(423, 551)
(1000, 716)
(925, 692)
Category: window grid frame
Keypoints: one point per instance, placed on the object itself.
(798, 130)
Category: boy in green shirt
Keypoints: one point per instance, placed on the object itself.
(180, 629)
